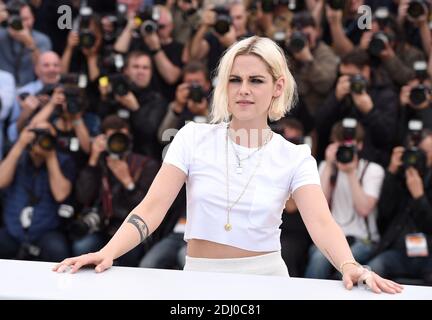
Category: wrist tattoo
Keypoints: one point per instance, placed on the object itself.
(139, 223)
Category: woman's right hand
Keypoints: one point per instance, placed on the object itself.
(100, 260)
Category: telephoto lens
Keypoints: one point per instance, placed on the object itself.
(196, 92)
(44, 139)
(118, 144)
(223, 20)
(297, 42)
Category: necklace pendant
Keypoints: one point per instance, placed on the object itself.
(239, 170)
(228, 227)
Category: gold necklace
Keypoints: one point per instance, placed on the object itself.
(228, 225)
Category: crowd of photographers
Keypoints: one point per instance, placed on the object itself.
(87, 111)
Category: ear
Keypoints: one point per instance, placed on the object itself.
(278, 87)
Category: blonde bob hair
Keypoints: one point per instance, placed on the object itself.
(273, 56)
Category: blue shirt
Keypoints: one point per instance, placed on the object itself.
(10, 50)
(7, 96)
(31, 181)
(31, 88)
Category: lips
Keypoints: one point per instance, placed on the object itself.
(244, 103)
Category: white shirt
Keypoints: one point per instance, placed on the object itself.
(342, 204)
(199, 150)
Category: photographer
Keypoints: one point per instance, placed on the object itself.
(415, 102)
(186, 18)
(413, 19)
(315, 64)
(391, 56)
(36, 179)
(7, 94)
(155, 38)
(114, 181)
(405, 214)
(220, 27)
(84, 43)
(352, 186)
(20, 45)
(191, 102)
(34, 95)
(137, 102)
(357, 96)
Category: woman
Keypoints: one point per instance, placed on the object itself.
(239, 175)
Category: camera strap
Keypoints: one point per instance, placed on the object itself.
(333, 180)
(136, 166)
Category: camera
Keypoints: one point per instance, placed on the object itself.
(14, 20)
(73, 101)
(223, 20)
(297, 42)
(416, 8)
(413, 156)
(358, 83)
(346, 152)
(196, 92)
(118, 145)
(382, 16)
(86, 223)
(112, 62)
(147, 19)
(44, 139)
(336, 4)
(87, 38)
(118, 21)
(419, 94)
(119, 84)
(378, 43)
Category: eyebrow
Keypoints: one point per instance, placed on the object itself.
(252, 76)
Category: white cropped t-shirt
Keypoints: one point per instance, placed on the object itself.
(199, 150)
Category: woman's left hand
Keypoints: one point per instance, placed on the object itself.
(370, 279)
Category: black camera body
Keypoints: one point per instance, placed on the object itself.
(87, 38)
(358, 83)
(86, 223)
(297, 42)
(413, 156)
(378, 43)
(118, 145)
(119, 84)
(417, 8)
(223, 20)
(347, 150)
(419, 94)
(147, 20)
(14, 20)
(73, 101)
(196, 92)
(44, 139)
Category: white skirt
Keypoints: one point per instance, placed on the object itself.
(270, 264)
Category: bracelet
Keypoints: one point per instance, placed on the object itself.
(154, 52)
(343, 264)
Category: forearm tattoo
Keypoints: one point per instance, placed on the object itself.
(139, 223)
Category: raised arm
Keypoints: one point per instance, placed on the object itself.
(138, 225)
(330, 239)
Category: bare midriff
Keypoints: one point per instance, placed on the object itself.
(198, 248)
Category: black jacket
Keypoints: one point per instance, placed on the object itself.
(400, 214)
(379, 123)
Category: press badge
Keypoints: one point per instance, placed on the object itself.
(74, 144)
(26, 217)
(416, 245)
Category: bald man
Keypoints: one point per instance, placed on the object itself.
(48, 71)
